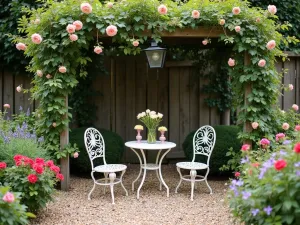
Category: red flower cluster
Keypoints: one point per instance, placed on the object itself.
(237, 174)
(2, 165)
(280, 164)
(38, 165)
(297, 148)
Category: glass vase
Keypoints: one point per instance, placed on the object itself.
(151, 137)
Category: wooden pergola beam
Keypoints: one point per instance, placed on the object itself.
(200, 32)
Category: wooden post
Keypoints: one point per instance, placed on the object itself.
(226, 117)
(248, 89)
(64, 162)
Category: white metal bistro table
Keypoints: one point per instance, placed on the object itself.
(143, 145)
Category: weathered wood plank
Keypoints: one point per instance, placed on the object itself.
(174, 96)
(113, 94)
(121, 96)
(22, 99)
(8, 95)
(163, 98)
(130, 106)
(184, 108)
(194, 100)
(289, 78)
(203, 108)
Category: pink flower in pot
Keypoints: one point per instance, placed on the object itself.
(162, 131)
(138, 128)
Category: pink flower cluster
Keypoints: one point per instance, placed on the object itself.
(204, 42)
(271, 45)
(86, 8)
(8, 197)
(254, 125)
(231, 62)
(6, 106)
(62, 69)
(295, 107)
(195, 14)
(98, 50)
(272, 9)
(111, 30)
(236, 10)
(285, 126)
(21, 46)
(135, 43)
(36, 39)
(237, 29)
(162, 9)
(222, 22)
(280, 136)
(262, 63)
(264, 142)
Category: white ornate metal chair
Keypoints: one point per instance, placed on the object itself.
(95, 146)
(203, 144)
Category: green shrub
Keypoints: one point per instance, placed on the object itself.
(226, 137)
(114, 149)
(267, 188)
(11, 211)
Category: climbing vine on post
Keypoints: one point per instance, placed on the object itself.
(61, 32)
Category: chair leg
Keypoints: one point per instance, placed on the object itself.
(205, 178)
(89, 195)
(105, 176)
(193, 174)
(121, 178)
(112, 177)
(178, 169)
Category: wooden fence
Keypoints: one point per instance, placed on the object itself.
(132, 88)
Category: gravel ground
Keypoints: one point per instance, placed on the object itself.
(153, 207)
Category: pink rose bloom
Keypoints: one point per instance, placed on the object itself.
(71, 28)
(111, 30)
(8, 197)
(110, 5)
(39, 73)
(75, 155)
(262, 63)
(237, 29)
(78, 25)
(264, 141)
(73, 37)
(280, 136)
(271, 45)
(222, 22)
(245, 147)
(86, 8)
(285, 126)
(254, 125)
(54, 124)
(195, 14)
(295, 107)
(48, 76)
(236, 10)
(204, 42)
(21, 46)
(6, 106)
(272, 9)
(19, 89)
(36, 38)
(135, 43)
(62, 69)
(257, 20)
(98, 50)
(37, 21)
(231, 62)
(291, 87)
(162, 9)
(297, 128)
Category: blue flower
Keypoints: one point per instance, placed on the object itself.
(282, 152)
(287, 142)
(297, 164)
(41, 139)
(239, 183)
(245, 160)
(268, 210)
(28, 112)
(246, 195)
(298, 173)
(255, 212)
(21, 108)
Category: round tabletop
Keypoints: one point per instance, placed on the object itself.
(146, 146)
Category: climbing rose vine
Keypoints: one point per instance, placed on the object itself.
(66, 29)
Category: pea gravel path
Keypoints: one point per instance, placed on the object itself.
(153, 207)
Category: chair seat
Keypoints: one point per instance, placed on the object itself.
(191, 165)
(110, 168)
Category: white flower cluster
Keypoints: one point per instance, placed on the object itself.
(151, 114)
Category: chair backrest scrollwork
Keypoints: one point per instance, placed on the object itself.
(204, 141)
(94, 144)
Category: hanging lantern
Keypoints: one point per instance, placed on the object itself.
(155, 55)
